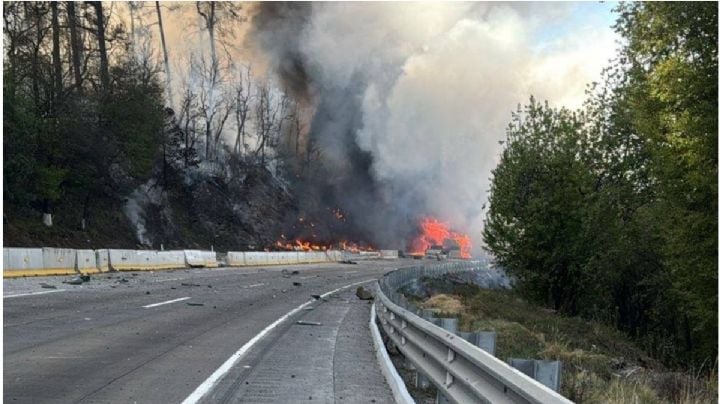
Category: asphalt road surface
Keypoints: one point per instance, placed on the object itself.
(208, 335)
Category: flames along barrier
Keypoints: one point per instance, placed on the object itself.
(18, 262)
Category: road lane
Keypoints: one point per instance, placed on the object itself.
(96, 343)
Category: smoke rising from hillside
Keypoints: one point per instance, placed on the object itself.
(410, 100)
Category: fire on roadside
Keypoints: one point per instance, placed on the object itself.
(302, 245)
(434, 232)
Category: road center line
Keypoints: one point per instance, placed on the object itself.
(207, 386)
(34, 293)
(166, 302)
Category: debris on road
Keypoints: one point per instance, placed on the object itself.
(85, 278)
(348, 262)
(297, 284)
(47, 286)
(295, 272)
(195, 304)
(363, 294)
(316, 297)
(189, 284)
(74, 281)
(302, 322)
(285, 273)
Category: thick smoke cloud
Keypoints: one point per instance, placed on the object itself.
(411, 100)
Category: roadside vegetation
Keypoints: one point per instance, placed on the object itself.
(609, 213)
(600, 364)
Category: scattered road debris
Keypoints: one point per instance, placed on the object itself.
(189, 284)
(348, 262)
(302, 322)
(297, 284)
(47, 286)
(363, 294)
(74, 281)
(316, 297)
(195, 304)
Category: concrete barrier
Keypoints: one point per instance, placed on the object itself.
(199, 258)
(63, 261)
(102, 260)
(19, 262)
(58, 261)
(256, 258)
(86, 261)
(235, 258)
(171, 259)
(145, 260)
(389, 254)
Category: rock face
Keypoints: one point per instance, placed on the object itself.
(230, 212)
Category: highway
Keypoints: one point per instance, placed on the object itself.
(193, 335)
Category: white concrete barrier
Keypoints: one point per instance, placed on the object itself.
(86, 262)
(23, 262)
(199, 258)
(235, 258)
(256, 258)
(389, 254)
(144, 260)
(102, 260)
(171, 259)
(58, 261)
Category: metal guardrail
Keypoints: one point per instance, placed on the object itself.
(460, 371)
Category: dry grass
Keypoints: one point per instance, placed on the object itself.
(445, 304)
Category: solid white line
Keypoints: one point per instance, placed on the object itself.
(34, 293)
(255, 285)
(207, 386)
(166, 302)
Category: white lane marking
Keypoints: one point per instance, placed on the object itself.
(306, 277)
(166, 302)
(207, 386)
(350, 272)
(255, 285)
(34, 293)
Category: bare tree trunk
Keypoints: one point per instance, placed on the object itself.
(57, 68)
(168, 81)
(74, 44)
(104, 71)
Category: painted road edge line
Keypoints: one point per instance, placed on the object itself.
(205, 387)
(34, 293)
(396, 383)
(165, 302)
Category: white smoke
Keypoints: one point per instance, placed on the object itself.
(439, 82)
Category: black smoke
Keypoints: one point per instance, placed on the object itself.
(342, 178)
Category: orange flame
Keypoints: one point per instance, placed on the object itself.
(435, 232)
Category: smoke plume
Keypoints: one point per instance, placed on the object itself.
(410, 100)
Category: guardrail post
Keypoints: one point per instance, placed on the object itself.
(421, 381)
(484, 340)
(441, 399)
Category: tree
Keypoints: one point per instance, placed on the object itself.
(672, 89)
(168, 80)
(100, 33)
(74, 45)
